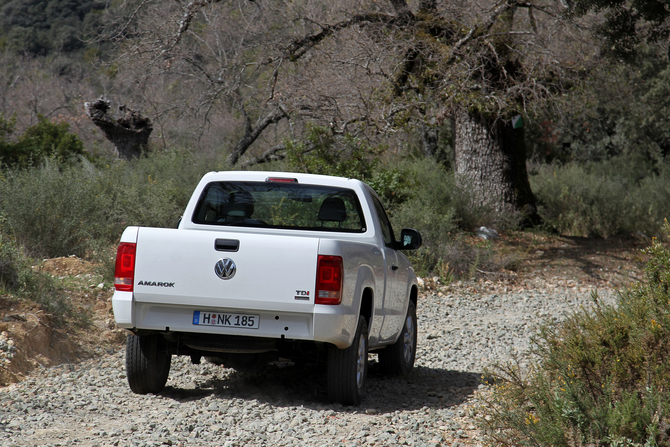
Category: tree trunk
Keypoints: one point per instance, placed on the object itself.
(490, 159)
(129, 134)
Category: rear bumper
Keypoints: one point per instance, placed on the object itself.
(328, 324)
(122, 305)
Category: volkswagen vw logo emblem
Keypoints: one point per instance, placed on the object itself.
(225, 268)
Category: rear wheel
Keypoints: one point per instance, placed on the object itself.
(398, 359)
(348, 368)
(147, 363)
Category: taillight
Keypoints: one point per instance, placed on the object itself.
(329, 280)
(124, 272)
(281, 180)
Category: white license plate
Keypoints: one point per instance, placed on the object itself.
(223, 319)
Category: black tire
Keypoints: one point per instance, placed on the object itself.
(147, 363)
(348, 368)
(398, 358)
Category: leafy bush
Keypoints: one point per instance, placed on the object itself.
(151, 191)
(321, 152)
(426, 205)
(48, 139)
(392, 185)
(422, 194)
(61, 209)
(600, 377)
(55, 210)
(19, 279)
(611, 198)
(44, 139)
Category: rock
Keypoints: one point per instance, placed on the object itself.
(487, 233)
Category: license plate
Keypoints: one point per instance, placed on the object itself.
(222, 319)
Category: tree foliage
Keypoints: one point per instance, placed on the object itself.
(622, 111)
(40, 27)
(325, 153)
(624, 24)
(45, 139)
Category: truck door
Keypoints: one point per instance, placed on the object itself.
(394, 299)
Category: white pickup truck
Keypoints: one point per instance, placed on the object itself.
(266, 266)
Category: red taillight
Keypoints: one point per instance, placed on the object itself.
(281, 180)
(124, 272)
(329, 280)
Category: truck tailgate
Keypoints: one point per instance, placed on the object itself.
(271, 272)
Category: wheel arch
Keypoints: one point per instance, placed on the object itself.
(367, 304)
(414, 295)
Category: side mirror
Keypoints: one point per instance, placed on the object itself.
(410, 239)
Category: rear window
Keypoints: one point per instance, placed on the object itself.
(280, 205)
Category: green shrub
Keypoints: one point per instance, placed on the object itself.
(54, 209)
(61, 209)
(653, 204)
(422, 194)
(151, 191)
(599, 378)
(44, 139)
(392, 185)
(49, 139)
(321, 152)
(18, 278)
(426, 205)
(602, 200)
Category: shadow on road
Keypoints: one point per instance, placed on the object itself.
(614, 261)
(291, 385)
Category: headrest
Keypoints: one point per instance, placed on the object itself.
(333, 210)
(240, 204)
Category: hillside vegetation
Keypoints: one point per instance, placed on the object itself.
(43, 27)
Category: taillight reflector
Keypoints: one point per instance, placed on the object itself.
(124, 271)
(329, 280)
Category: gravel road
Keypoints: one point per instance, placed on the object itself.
(463, 328)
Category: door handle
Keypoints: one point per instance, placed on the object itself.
(227, 245)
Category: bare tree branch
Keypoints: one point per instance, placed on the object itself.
(190, 12)
(402, 9)
(120, 31)
(251, 133)
(272, 154)
(481, 29)
(299, 47)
